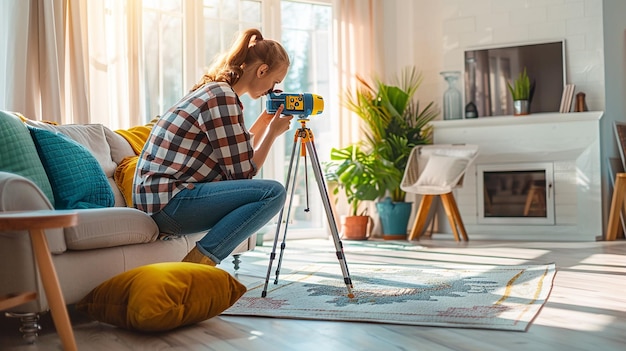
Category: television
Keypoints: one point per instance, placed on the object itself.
(487, 71)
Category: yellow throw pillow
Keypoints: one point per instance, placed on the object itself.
(137, 136)
(162, 296)
(124, 175)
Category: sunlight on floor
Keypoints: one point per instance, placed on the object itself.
(600, 268)
(521, 255)
(574, 320)
(255, 334)
(606, 259)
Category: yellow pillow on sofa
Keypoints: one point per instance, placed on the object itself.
(162, 296)
(124, 175)
(137, 136)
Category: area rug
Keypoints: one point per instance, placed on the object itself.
(468, 296)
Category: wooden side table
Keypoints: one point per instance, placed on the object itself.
(35, 222)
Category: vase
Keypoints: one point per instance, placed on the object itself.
(521, 107)
(394, 218)
(355, 227)
(452, 102)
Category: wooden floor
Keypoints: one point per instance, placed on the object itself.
(586, 309)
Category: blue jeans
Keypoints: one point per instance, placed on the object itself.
(233, 210)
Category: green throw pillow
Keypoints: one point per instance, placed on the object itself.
(18, 153)
(76, 177)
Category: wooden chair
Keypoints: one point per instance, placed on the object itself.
(536, 198)
(617, 212)
(617, 207)
(435, 170)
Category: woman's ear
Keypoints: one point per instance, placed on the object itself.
(262, 70)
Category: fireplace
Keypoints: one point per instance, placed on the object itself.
(548, 161)
(517, 193)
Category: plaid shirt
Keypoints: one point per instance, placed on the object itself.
(201, 139)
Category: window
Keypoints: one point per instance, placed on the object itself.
(163, 54)
(181, 38)
(307, 36)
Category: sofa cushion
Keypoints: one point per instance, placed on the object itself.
(109, 227)
(120, 148)
(124, 176)
(137, 136)
(76, 177)
(18, 153)
(91, 136)
(162, 296)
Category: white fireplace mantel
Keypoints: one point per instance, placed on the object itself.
(570, 141)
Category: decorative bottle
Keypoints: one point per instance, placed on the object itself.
(452, 105)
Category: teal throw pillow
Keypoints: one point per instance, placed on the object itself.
(18, 153)
(76, 177)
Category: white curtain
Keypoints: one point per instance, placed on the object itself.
(73, 61)
(79, 61)
(34, 44)
(358, 52)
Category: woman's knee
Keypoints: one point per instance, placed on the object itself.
(275, 189)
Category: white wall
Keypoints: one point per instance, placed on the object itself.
(435, 36)
(440, 30)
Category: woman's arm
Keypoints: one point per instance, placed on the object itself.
(266, 129)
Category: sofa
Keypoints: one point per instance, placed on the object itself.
(111, 237)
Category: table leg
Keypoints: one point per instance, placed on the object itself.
(51, 285)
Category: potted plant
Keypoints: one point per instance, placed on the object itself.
(521, 92)
(351, 170)
(394, 124)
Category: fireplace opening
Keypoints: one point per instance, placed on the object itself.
(515, 193)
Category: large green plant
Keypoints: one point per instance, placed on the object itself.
(394, 124)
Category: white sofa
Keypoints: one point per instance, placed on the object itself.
(106, 242)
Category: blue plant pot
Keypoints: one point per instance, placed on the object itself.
(394, 217)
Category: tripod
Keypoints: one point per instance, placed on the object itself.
(305, 136)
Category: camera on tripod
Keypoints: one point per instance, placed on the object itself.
(297, 104)
(302, 105)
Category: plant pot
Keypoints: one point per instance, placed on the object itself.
(521, 107)
(394, 217)
(355, 227)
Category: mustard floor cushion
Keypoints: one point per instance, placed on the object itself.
(162, 296)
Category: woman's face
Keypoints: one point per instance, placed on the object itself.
(266, 79)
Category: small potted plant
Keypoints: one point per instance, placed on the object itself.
(521, 92)
(351, 170)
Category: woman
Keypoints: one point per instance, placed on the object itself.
(195, 171)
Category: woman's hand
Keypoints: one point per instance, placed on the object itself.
(276, 125)
(279, 124)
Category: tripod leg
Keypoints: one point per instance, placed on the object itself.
(315, 163)
(282, 225)
(291, 189)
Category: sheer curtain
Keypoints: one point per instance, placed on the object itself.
(357, 52)
(80, 61)
(73, 61)
(33, 40)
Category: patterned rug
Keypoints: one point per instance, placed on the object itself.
(472, 296)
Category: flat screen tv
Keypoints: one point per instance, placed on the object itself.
(487, 71)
